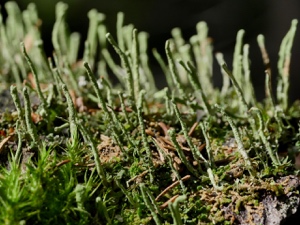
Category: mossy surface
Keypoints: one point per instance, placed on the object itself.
(76, 148)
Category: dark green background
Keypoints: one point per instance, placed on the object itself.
(224, 18)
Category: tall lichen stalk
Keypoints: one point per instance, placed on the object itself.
(142, 142)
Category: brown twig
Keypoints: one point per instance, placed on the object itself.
(63, 162)
(137, 176)
(201, 147)
(193, 128)
(4, 141)
(87, 165)
(164, 127)
(171, 186)
(167, 202)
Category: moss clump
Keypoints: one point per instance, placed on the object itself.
(84, 150)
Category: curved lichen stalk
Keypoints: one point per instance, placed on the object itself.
(273, 155)
(238, 139)
(284, 65)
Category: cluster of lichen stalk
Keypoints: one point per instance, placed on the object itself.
(189, 64)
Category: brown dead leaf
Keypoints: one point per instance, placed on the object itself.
(11, 131)
(4, 141)
(80, 104)
(2, 133)
(36, 117)
(107, 150)
(31, 80)
(33, 84)
(164, 127)
(28, 42)
(73, 96)
(167, 202)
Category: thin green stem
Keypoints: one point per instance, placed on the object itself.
(192, 73)
(238, 139)
(173, 69)
(171, 133)
(150, 203)
(120, 21)
(143, 133)
(31, 129)
(71, 111)
(284, 65)
(36, 79)
(237, 58)
(126, 64)
(226, 78)
(97, 90)
(237, 89)
(17, 102)
(196, 153)
(19, 149)
(274, 157)
(135, 62)
(174, 208)
(91, 142)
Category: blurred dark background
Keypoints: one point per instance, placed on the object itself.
(224, 18)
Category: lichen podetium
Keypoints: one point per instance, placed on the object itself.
(88, 150)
